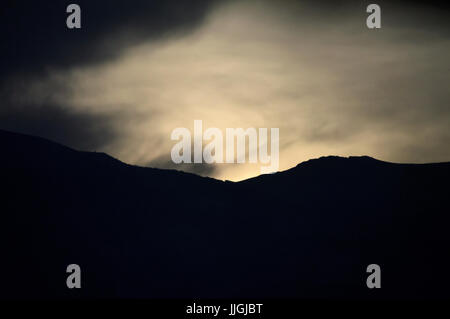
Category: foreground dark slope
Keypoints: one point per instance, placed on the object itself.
(310, 231)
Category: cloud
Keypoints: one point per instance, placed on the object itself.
(35, 37)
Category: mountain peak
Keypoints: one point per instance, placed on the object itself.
(335, 159)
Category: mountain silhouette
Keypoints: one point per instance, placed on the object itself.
(308, 232)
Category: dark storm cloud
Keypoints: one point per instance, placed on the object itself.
(35, 37)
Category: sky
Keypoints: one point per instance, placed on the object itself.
(135, 71)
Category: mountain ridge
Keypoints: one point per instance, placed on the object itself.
(308, 232)
(43, 142)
